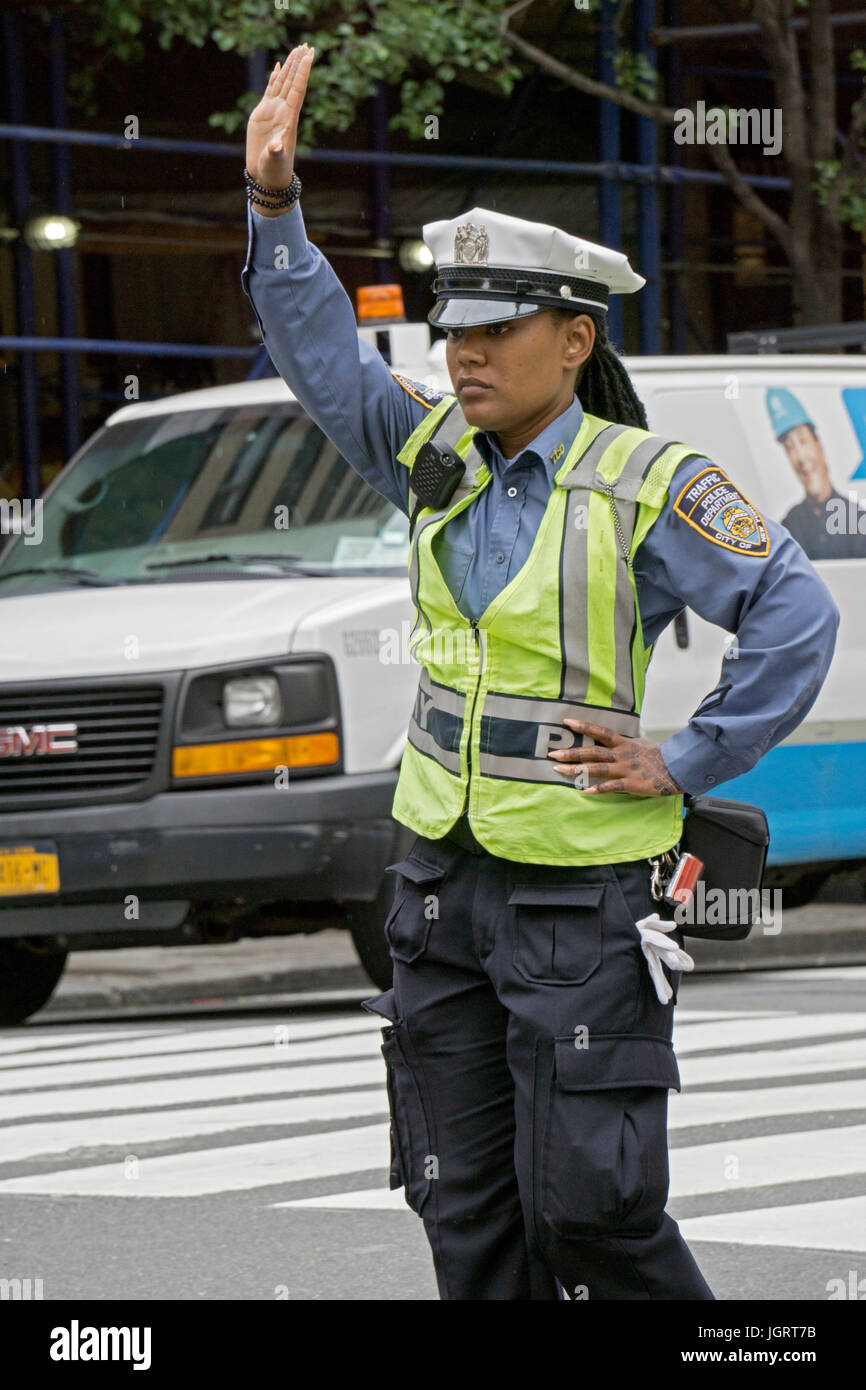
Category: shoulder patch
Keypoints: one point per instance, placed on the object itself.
(427, 395)
(713, 505)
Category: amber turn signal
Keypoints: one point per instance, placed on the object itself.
(255, 755)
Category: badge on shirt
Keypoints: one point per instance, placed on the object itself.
(427, 395)
(716, 507)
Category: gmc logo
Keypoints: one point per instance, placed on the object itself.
(18, 742)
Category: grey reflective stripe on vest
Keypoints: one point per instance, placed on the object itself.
(625, 616)
(575, 635)
(583, 472)
(531, 728)
(625, 488)
(424, 726)
(637, 465)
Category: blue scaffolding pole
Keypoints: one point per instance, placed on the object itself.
(649, 228)
(609, 147)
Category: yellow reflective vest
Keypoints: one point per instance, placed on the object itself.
(562, 640)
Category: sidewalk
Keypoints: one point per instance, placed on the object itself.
(200, 975)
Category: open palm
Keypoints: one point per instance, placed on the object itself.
(272, 129)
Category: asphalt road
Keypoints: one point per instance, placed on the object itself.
(225, 1151)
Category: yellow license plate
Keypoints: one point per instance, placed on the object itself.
(28, 869)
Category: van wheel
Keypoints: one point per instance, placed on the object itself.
(366, 923)
(28, 978)
(803, 889)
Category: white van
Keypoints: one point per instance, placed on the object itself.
(206, 683)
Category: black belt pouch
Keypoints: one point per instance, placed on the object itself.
(731, 839)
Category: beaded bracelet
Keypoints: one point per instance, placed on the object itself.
(278, 198)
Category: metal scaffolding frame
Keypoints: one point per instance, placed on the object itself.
(647, 174)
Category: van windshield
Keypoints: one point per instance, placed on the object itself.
(253, 490)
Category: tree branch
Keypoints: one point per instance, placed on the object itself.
(822, 86)
(653, 110)
(784, 61)
(751, 201)
(663, 115)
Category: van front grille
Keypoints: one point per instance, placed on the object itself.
(116, 730)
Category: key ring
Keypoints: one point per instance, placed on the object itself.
(662, 869)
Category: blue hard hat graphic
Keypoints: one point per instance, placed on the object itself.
(785, 411)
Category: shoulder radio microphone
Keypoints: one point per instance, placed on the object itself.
(435, 477)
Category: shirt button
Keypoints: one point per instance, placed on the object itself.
(512, 492)
(711, 779)
(500, 558)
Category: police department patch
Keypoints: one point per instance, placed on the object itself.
(427, 395)
(715, 507)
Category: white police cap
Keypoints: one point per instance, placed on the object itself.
(492, 267)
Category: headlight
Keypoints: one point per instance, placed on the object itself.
(252, 702)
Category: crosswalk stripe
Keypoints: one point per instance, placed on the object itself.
(21, 1142)
(686, 1108)
(684, 1015)
(838, 1224)
(200, 1172)
(767, 1160)
(18, 1042)
(184, 1090)
(278, 1036)
(364, 1199)
(267, 1054)
(737, 1032)
(753, 1066)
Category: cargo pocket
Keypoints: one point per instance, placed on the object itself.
(409, 922)
(557, 931)
(409, 1131)
(600, 1156)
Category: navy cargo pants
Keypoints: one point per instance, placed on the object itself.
(528, 1065)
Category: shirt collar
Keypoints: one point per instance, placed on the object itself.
(550, 446)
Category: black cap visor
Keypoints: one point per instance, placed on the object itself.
(468, 295)
(469, 312)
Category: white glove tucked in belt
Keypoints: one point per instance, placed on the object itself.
(658, 947)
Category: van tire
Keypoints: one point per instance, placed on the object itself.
(366, 923)
(28, 978)
(802, 890)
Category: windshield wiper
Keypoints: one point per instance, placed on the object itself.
(91, 577)
(281, 560)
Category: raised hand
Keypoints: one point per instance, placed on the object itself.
(272, 129)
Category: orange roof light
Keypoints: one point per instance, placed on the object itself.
(381, 303)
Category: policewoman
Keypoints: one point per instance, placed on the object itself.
(528, 1030)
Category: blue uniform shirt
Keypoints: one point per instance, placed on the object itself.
(782, 613)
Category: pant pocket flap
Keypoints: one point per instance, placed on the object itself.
(556, 894)
(384, 1005)
(417, 871)
(610, 1060)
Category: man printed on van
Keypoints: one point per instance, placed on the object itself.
(827, 525)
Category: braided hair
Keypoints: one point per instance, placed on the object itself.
(603, 384)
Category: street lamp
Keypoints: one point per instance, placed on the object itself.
(415, 256)
(52, 232)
